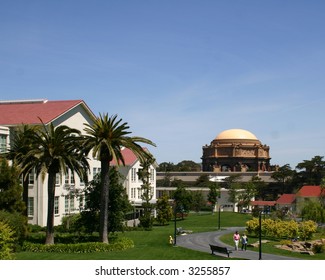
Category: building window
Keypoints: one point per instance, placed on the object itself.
(30, 207)
(133, 174)
(81, 202)
(152, 174)
(31, 178)
(3, 143)
(57, 179)
(133, 190)
(96, 170)
(66, 204)
(56, 205)
(69, 178)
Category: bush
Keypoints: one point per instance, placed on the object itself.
(17, 222)
(319, 248)
(282, 229)
(89, 247)
(6, 241)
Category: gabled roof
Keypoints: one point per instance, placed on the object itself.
(31, 111)
(129, 157)
(286, 198)
(309, 191)
(262, 203)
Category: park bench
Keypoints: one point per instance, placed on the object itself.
(219, 249)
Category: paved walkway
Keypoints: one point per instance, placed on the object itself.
(201, 241)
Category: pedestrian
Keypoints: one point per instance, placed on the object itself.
(236, 238)
(244, 241)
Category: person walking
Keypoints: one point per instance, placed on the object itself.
(244, 241)
(236, 238)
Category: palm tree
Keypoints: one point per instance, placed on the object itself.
(54, 150)
(20, 145)
(106, 138)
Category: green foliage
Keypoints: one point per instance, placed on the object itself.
(313, 210)
(164, 211)
(17, 222)
(10, 188)
(146, 220)
(6, 242)
(89, 247)
(185, 165)
(312, 171)
(282, 229)
(117, 207)
(182, 196)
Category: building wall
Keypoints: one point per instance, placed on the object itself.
(132, 183)
(75, 118)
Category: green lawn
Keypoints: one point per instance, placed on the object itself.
(153, 245)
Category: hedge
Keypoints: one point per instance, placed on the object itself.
(88, 247)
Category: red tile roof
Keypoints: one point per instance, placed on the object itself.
(286, 198)
(29, 112)
(309, 191)
(129, 158)
(262, 203)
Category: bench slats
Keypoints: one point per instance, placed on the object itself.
(224, 250)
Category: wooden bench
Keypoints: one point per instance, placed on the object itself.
(218, 249)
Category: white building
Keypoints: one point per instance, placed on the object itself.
(132, 183)
(68, 192)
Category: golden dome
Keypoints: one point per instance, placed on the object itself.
(236, 134)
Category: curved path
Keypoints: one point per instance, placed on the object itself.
(201, 241)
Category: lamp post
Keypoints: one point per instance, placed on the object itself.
(260, 235)
(219, 218)
(175, 229)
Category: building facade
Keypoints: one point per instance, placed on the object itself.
(235, 150)
(68, 191)
(69, 196)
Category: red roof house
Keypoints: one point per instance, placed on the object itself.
(309, 191)
(73, 113)
(13, 113)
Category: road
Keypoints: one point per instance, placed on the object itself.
(201, 241)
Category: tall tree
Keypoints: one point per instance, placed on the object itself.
(312, 171)
(106, 137)
(20, 146)
(213, 194)
(54, 150)
(10, 188)
(283, 176)
(144, 174)
(164, 211)
(181, 196)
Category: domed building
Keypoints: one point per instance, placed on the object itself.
(236, 150)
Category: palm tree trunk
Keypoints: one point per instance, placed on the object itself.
(50, 209)
(25, 193)
(104, 199)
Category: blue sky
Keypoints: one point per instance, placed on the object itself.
(179, 72)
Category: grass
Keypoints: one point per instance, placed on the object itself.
(154, 245)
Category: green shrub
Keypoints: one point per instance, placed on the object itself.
(6, 241)
(282, 229)
(89, 247)
(17, 222)
(319, 248)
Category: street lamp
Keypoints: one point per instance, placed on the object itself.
(175, 214)
(219, 219)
